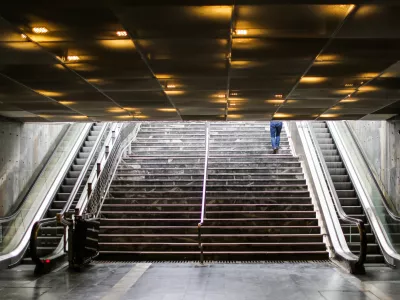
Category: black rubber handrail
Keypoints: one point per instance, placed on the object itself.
(204, 196)
(359, 265)
(16, 211)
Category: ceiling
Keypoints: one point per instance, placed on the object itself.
(211, 60)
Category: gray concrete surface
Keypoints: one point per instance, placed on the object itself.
(188, 281)
(23, 149)
(380, 141)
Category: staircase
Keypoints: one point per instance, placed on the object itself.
(258, 204)
(153, 206)
(50, 236)
(347, 195)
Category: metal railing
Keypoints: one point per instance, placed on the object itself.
(100, 163)
(127, 135)
(204, 192)
(341, 213)
(61, 217)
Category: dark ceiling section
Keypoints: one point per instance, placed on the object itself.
(207, 60)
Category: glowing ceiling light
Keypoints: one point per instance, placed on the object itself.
(49, 93)
(115, 110)
(122, 33)
(23, 36)
(241, 31)
(72, 57)
(234, 94)
(348, 85)
(40, 30)
(221, 95)
(279, 96)
(171, 86)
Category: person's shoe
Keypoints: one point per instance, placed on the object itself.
(275, 151)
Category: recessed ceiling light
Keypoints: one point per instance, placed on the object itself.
(348, 84)
(221, 95)
(362, 82)
(171, 86)
(279, 96)
(241, 31)
(40, 30)
(72, 57)
(23, 36)
(234, 94)
(122, 33)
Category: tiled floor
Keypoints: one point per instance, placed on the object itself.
(168, 281)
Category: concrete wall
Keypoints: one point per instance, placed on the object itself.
(24, 147)
(380, 141)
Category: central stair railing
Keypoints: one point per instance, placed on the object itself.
(359, 264)
(204, 192)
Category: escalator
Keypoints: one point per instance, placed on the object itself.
(347, 195)
(51, 234)
(57, 189)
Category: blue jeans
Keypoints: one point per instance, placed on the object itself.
(276, 128)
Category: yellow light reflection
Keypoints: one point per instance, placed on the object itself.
(49, 93)
(281, 115)
(46, 116)
(274, 101)
(336, 108)
(67, 102)
(115, 110)
(309, 79)
(78, 117)
(240, 63)
(349, 100)
(174, 93)
(368, 88)
(117, 44)
(141, 117)
(124, 117)
(163, 76)
(235, 116)
(211, 12)
(166, 109)
(329, 115)
(95, 80)
(218, 101)
(368, 75)
(328, 57)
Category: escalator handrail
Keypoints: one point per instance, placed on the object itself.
(39, 224)
(363, 155)
(391, 255)
(341, 213)
(17, 210)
